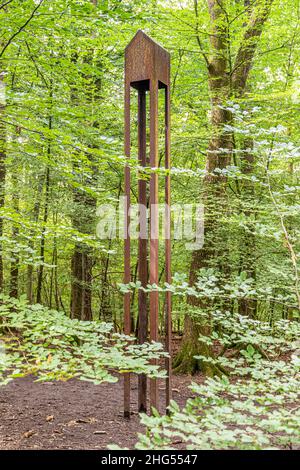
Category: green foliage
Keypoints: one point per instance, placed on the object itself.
(257, 407)
(67, 65)
(61, 129)
(49, 345)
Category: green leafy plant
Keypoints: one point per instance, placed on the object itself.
(256, 407)
(49, 345)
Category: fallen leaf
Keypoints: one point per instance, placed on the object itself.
(72, 423)
(50, 418)
(176, 442)
(29, 433)
(86, 420)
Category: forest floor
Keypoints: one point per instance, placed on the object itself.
(77, 414)
(73, 414)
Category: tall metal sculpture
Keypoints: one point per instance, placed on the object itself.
(147, 69)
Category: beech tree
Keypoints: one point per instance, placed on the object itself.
(227, 78)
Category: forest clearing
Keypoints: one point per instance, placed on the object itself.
(150, 226)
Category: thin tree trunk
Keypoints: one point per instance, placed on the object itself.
(2, 170)
(247, 247)
(42, 246)
(14, 266)
(82, 259)
(36, 213)
(47, 201)
(56, 288)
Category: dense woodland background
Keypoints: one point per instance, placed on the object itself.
(235, 141)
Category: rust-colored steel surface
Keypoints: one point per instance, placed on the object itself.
(147, 69)
(142, 252)
(168, 304)
(127, 271)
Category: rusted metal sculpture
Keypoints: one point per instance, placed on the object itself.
(147, 69)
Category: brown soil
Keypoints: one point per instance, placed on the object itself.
(73, 414)
(76, 414)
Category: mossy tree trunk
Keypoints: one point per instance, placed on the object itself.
(227, 78)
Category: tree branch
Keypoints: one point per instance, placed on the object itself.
(197, 33)
(36, 66)
(247, 49)
(6, 3)
(21, 28)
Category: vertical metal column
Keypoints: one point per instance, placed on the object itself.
(147, 68)
(142, 253)
(168, 305)
(154, 222)
(127, 270)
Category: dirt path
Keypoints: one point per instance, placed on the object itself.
(71, 415)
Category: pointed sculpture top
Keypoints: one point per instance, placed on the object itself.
(141, 36)
(146, 60)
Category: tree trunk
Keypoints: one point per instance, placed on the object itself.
(81, 290)
(247, 247)
(225, 82)
(2, 170)
(47, 201)
(214, 189)
(82, 259)
(42, 246)
(14, 266)
(36, 213)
